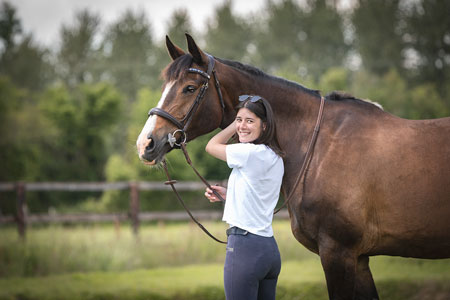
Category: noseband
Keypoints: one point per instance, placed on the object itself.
(185, 122)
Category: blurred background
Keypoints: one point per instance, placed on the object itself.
(75, 95)
(75, 92)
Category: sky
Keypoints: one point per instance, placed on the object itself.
(44, 18)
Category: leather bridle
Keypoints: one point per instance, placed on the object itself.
(183, 124)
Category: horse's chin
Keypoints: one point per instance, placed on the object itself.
(149, 163)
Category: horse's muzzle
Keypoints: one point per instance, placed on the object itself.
(152, 151)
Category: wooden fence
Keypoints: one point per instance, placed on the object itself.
(22, 218)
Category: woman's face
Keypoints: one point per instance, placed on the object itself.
(248, 126)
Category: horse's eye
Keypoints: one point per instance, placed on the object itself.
(189, 89)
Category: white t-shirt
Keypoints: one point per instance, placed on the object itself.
(253, 187)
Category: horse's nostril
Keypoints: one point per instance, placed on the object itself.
(150, 146)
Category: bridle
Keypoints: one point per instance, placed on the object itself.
(184, 124)
(186, 121)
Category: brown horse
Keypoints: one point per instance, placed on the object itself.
(376, 185)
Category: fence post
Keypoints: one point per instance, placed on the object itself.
(134, 206)
(21, 208)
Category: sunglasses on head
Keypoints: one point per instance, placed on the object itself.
(253, 99)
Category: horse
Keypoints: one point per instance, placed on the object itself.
(376, 184)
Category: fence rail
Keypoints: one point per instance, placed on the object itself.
(22, 218)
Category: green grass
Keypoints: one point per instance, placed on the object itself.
(57, 249)
(177, 261)
(298, 280)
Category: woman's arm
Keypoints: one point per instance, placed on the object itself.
(218, 143)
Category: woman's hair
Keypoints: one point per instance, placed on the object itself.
(262, 109)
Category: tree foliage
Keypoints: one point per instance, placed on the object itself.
(128, 51)
(76, 54)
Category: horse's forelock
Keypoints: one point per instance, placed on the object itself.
(177, 68)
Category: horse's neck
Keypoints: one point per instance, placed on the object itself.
(295, 109)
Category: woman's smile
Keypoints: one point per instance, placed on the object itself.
(248, 126)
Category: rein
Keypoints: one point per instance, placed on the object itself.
(308, 155)
(172, 185)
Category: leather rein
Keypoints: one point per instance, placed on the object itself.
(184, 123)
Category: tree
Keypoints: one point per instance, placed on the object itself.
(128, 49)
(227, 36)
(178, 25)
(28, 65)
(303, 40)
(10, 26)
(378, 36)
(428, 34)
(76, 55)
(279, 37)
(324, 45)
(82, 120)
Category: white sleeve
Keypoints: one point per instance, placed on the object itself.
(237, 155)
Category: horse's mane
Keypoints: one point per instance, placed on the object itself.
(257, 72)
(342, 96)
(178, 67)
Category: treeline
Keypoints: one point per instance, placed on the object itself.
(72, 112)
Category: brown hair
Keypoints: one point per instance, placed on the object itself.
(262, 109)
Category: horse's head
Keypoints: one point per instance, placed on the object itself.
(191, 103)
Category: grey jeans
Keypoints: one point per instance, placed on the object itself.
(252, 266)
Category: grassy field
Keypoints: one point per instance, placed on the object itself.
(176, 261)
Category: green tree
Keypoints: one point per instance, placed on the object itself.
(10, 26)
(228, 36)
(76, 57)
(21, 59)
(278, 40)
(324, 45)
(128, 49)
(12, 164)
(178, 25)
(28, 65)
(304, 40)
(426, 103)
(428, 34)
(82, 120)
(378, 37)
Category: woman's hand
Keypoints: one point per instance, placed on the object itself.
(219, 189)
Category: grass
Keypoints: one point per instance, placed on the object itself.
(176, 261)
(57, 249)
(298, 280)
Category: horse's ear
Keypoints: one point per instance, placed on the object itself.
(174, 51)
(199, 56)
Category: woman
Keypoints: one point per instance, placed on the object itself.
(252, 262)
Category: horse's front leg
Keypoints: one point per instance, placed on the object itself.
(339, 265)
